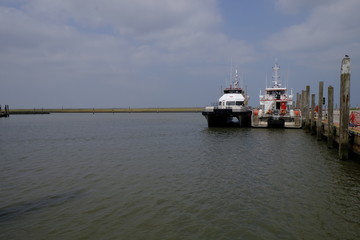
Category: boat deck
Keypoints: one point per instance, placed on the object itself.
(263, 124)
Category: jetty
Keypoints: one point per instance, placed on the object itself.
(104, 110)
(339, 127)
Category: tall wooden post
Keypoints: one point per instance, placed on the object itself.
(307, 100)
(312, 113)
(302, 107)
(330, 130)
(297, 100)
(344, 109)
(320, 109)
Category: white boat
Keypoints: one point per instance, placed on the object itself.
(232, 108)
(276, 107)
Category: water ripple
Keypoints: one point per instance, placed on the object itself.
(167, 176)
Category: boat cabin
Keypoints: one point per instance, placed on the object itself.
(276, 93)
(233, 97)
(275, 99)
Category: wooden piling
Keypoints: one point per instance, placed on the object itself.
(344, 109)
(330, 118)
(298, 97)
(302, 106)
(312, 117)
(306, 110)
(320, 109)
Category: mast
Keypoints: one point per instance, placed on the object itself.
(236, 79)
(276, 76)
(242, 80)
(231, 73)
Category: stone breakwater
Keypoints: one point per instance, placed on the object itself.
(103, 110)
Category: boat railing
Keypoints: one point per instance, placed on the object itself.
(235, 108)
(272, 98)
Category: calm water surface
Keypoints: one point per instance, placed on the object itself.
(167, 176)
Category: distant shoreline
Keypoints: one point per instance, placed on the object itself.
(104, 110)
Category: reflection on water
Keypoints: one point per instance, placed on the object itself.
(167, 176)
(19, 209)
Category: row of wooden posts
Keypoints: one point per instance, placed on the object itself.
(314, 126)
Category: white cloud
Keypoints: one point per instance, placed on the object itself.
(137, 18)
(115, 44)
(295, 6)
(331, 30)
(152, 27)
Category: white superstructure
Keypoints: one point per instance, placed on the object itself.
(234, 97)
(233, 104)
(276, 98)
(276, 104)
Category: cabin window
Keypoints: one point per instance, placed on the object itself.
(230, 103)
(219, 103)
(277, 95)
(239, 103)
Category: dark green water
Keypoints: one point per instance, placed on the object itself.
(167, 176)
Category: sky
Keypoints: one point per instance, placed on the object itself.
(166, 53)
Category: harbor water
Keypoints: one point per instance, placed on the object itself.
(168, 176)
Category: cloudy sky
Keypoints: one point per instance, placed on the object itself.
(167, 53)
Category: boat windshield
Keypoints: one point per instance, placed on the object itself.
(233, 103)
(233, 90)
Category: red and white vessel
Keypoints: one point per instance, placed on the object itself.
(276, 106)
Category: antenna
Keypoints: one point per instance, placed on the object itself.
(231, 71)
(242, 80)
(266, 80)
(236, 82)
(276, 76)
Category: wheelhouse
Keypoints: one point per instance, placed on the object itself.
(234, 90)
